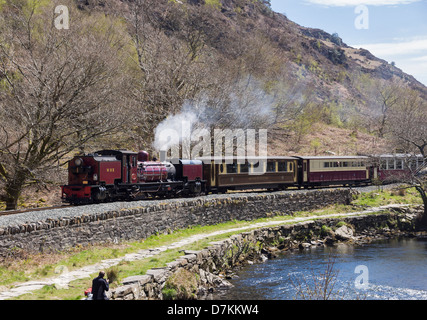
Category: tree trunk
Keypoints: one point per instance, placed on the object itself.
(13, 190)
(11, 203)
(423, 218)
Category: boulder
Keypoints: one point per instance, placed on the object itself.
(344, 233)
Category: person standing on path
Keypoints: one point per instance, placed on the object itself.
(99, 287)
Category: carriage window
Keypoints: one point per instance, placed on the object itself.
(345, 164)
(271, 166)
(258, 167)
(399, 164)
(221, 168)
(336, 164)
(232, 168)
(282, 167)
(244, 168)
(391, 164)
(326, 164)
(291, 167)
(383, 164)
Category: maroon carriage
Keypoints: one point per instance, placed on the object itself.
(333, 170)
(397, 167)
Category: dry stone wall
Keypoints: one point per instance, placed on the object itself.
(162, 217)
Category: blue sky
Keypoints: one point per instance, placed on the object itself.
(393, 30)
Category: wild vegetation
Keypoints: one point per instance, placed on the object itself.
(123, 67)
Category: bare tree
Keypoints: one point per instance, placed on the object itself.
(172, 65)
(379, 98)
(58, 90)
(387, 96)
(318, 286)
(408, 123)
(415, 176)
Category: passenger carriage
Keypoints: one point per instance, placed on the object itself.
(239, 173)
(398, 167)
(333, 170)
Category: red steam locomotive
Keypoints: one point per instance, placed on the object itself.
(111, 175)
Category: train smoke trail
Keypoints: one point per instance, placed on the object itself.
(246, 107)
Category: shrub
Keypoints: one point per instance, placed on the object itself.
(112, 274)
(325, 230)
(181, 286)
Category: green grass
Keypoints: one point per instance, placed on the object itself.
(385, 197)
(213, 3)
(32, 267)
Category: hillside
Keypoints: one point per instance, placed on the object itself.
(297, 65)
(225, 22)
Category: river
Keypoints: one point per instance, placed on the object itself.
(382, 270)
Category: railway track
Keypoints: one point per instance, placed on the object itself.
(11, 212)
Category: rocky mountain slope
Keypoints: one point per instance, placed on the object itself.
(227, 23)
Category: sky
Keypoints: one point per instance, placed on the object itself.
(393, 30)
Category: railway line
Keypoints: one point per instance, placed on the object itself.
(12, 212)
(129, 204)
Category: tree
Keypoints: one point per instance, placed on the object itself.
(420, 184)
(408, 123)
(416, 177)
(380, 98)
(171, 64)
(59, 90)
(387, 96)
(407, 127)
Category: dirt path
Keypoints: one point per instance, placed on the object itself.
(65, 276)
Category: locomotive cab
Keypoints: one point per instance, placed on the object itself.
(125, 175)
(92, 177)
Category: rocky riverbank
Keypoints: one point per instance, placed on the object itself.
(198, 273)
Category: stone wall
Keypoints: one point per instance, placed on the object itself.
(206, 270)
(163, 217)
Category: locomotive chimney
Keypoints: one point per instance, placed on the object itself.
(162, 156)
(143, 156)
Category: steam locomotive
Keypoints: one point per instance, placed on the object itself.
(113, 175)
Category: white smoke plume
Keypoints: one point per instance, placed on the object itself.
(246, 107)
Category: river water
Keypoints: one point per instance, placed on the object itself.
(382, 270)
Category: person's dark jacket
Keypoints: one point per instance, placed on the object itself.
(99, 287)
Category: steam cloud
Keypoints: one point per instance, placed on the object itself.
(247, 107)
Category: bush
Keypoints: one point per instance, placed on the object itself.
(325, 230)
(112, 274)
(181, 286)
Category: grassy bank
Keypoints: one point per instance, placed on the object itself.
(23, 267)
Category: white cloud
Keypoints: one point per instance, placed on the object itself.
(354, 3)
(398, 48)
(414, 68)
(420, 59)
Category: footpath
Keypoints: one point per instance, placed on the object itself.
(65, 277)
